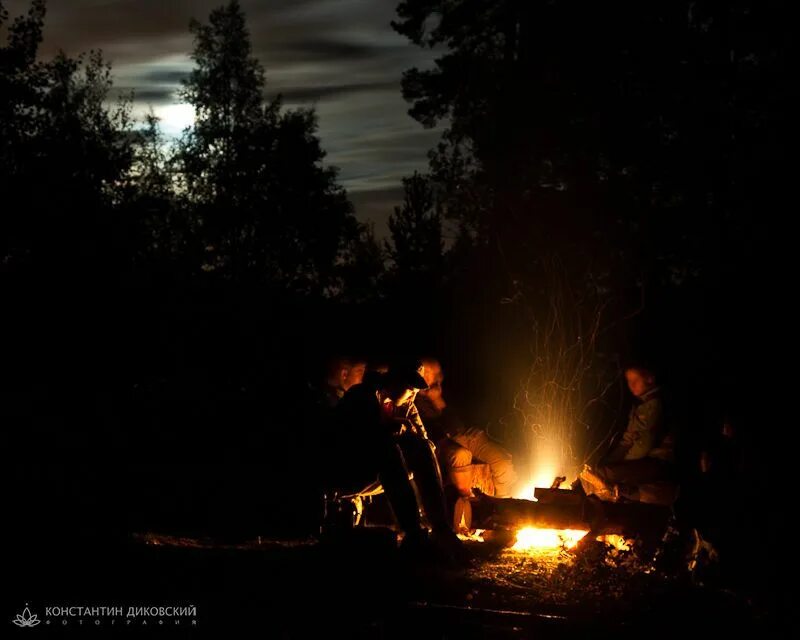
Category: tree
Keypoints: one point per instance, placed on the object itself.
(264, 206)
(627, 143)
(416, 246)
(22, 79)
(363, 270)
(64, 153)
(637, 124)
(157, 227)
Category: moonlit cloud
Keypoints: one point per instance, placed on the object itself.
(340, 56)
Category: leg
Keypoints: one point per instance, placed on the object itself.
(635, 471)
(427, 476)
(421, 459)
(393, 475)
(629, 475)
(492, 453)
(457, 460)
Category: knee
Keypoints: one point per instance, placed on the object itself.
(607, 472)
(499, 458)
(458, 457)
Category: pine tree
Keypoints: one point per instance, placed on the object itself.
(264, 206)
(416, 231)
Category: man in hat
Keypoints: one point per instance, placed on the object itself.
(379, 419)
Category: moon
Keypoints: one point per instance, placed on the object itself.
(174, 118)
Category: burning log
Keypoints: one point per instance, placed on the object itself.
(513, 513)
(628, 518)
(554, 495)
(567, 509)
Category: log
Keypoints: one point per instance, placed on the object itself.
(566, 509)
(627, 518)
(512, 513)
(557, 496)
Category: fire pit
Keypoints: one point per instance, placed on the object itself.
(558, 520)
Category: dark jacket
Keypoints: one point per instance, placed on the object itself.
(648, 433)
(439, 424)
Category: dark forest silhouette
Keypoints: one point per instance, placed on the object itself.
(604, 188)
(242, 196)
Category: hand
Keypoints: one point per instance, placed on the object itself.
(406, 426)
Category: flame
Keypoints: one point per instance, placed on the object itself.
(620, 543)
(530, 538)
(475, 536)
(542, 478)
(526, 492)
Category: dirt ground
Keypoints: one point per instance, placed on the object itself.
(365, 589)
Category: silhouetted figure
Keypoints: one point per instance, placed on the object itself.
(377, 437)
(715, 502)
(342, 373)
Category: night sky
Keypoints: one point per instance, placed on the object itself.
(341, 56)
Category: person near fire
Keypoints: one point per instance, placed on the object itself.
(459, 446)
(644, 455)
(342, 373)
(385, 437)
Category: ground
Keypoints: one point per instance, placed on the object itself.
(364, 589)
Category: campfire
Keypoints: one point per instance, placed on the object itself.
(544, 520)
(530, 538)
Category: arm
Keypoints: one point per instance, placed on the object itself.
(644, 426)
(640, 436)
(414, 422)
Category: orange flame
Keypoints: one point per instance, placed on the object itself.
(532, 538)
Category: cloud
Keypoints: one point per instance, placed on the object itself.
(302, 95)
(172, 76)
(153, 96)
(303, 50)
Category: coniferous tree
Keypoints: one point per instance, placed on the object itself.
(416, 245)
(64, 154)
(264, 207)
(628, 136)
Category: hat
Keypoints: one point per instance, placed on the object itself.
(408, 374)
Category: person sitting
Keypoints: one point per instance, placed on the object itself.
(713, 504)
(381, 435)
(342, 373)
(459, 446)
(644, 456)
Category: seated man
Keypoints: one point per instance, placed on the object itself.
(342, 373)
(458, 445)
(645, 453)
(712, 504)
(381, 436)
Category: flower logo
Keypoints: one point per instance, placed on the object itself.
(26, 619)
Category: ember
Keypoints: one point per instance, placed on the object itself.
(620, 543)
